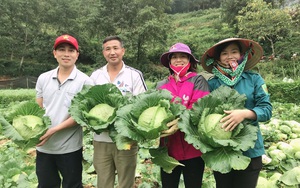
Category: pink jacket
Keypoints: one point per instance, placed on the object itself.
(190, 88)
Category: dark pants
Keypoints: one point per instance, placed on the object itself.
(192, 174)
(51, 167)
(240, 178)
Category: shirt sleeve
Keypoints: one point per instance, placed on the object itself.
(200, 89)
(38, 88)
(139, 84)
(263, 107)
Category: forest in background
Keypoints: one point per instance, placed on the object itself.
(28, 29)
(148, 28)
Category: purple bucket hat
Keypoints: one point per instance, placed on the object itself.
(178, 47)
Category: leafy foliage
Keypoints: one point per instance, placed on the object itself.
(261, 22)
(25, 125)
(161, 158)
(219, 154)
(129, 125)
(200, 30)
(29, 28)
(282, 159)
(144, 25)
(10, 97)
(18, 167)
(229, 12)
(284, 92)
(91, 96)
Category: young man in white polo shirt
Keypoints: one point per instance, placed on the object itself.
(107, 158)
(59, 153)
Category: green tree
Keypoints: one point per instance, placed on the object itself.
(69, 16)
(260, 22)
(180, 6)
(230, 9)
(290, 46)
(142, 24)
(149, 30)
(61, 16)
(295, 15)
(19, 26)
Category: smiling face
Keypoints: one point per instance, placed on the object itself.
(179, 59)
(228, 54)
(113, 52)
(66, 55)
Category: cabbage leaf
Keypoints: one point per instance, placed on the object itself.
(145, 129)
(160, 157)
(107, 96)
(291, 177)
(25, 125)
(219, 154)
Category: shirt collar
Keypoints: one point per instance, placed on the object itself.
(71, 76)
(184, 78)
(122, 69)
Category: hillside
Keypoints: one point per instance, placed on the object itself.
(199, 30)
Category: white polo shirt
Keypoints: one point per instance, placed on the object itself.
(129, 80)
(56, 102)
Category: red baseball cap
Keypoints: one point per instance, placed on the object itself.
(66, 39)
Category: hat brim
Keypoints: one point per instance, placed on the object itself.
(164, 58)
(253, 58)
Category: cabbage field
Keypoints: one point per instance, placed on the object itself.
(281, 163)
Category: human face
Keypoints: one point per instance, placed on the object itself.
(66, 55)
(228, 54)
(179, 59)
(113, 52)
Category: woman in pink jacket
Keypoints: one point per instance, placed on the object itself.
(189, 86)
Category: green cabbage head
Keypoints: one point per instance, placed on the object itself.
(25, 124)
(221, 150)
(213, 127)
(28, 125)
(141, 122)
(94, 107)
(153, 117)
(101, 111)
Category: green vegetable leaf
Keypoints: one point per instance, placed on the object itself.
(203, 129)
(122, 142)
(95, 106)
(162, 159)
(145, 118)
(291, 177)
(225, 159)
(193, 134)
(9, 131)
(128, 121)
(25, 125)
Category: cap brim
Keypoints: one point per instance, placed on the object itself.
(253, 58)
(65, 41)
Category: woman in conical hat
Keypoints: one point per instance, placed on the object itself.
(184, 83)
(230, 61)
(250, 54)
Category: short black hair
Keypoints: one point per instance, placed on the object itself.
(109, 38)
